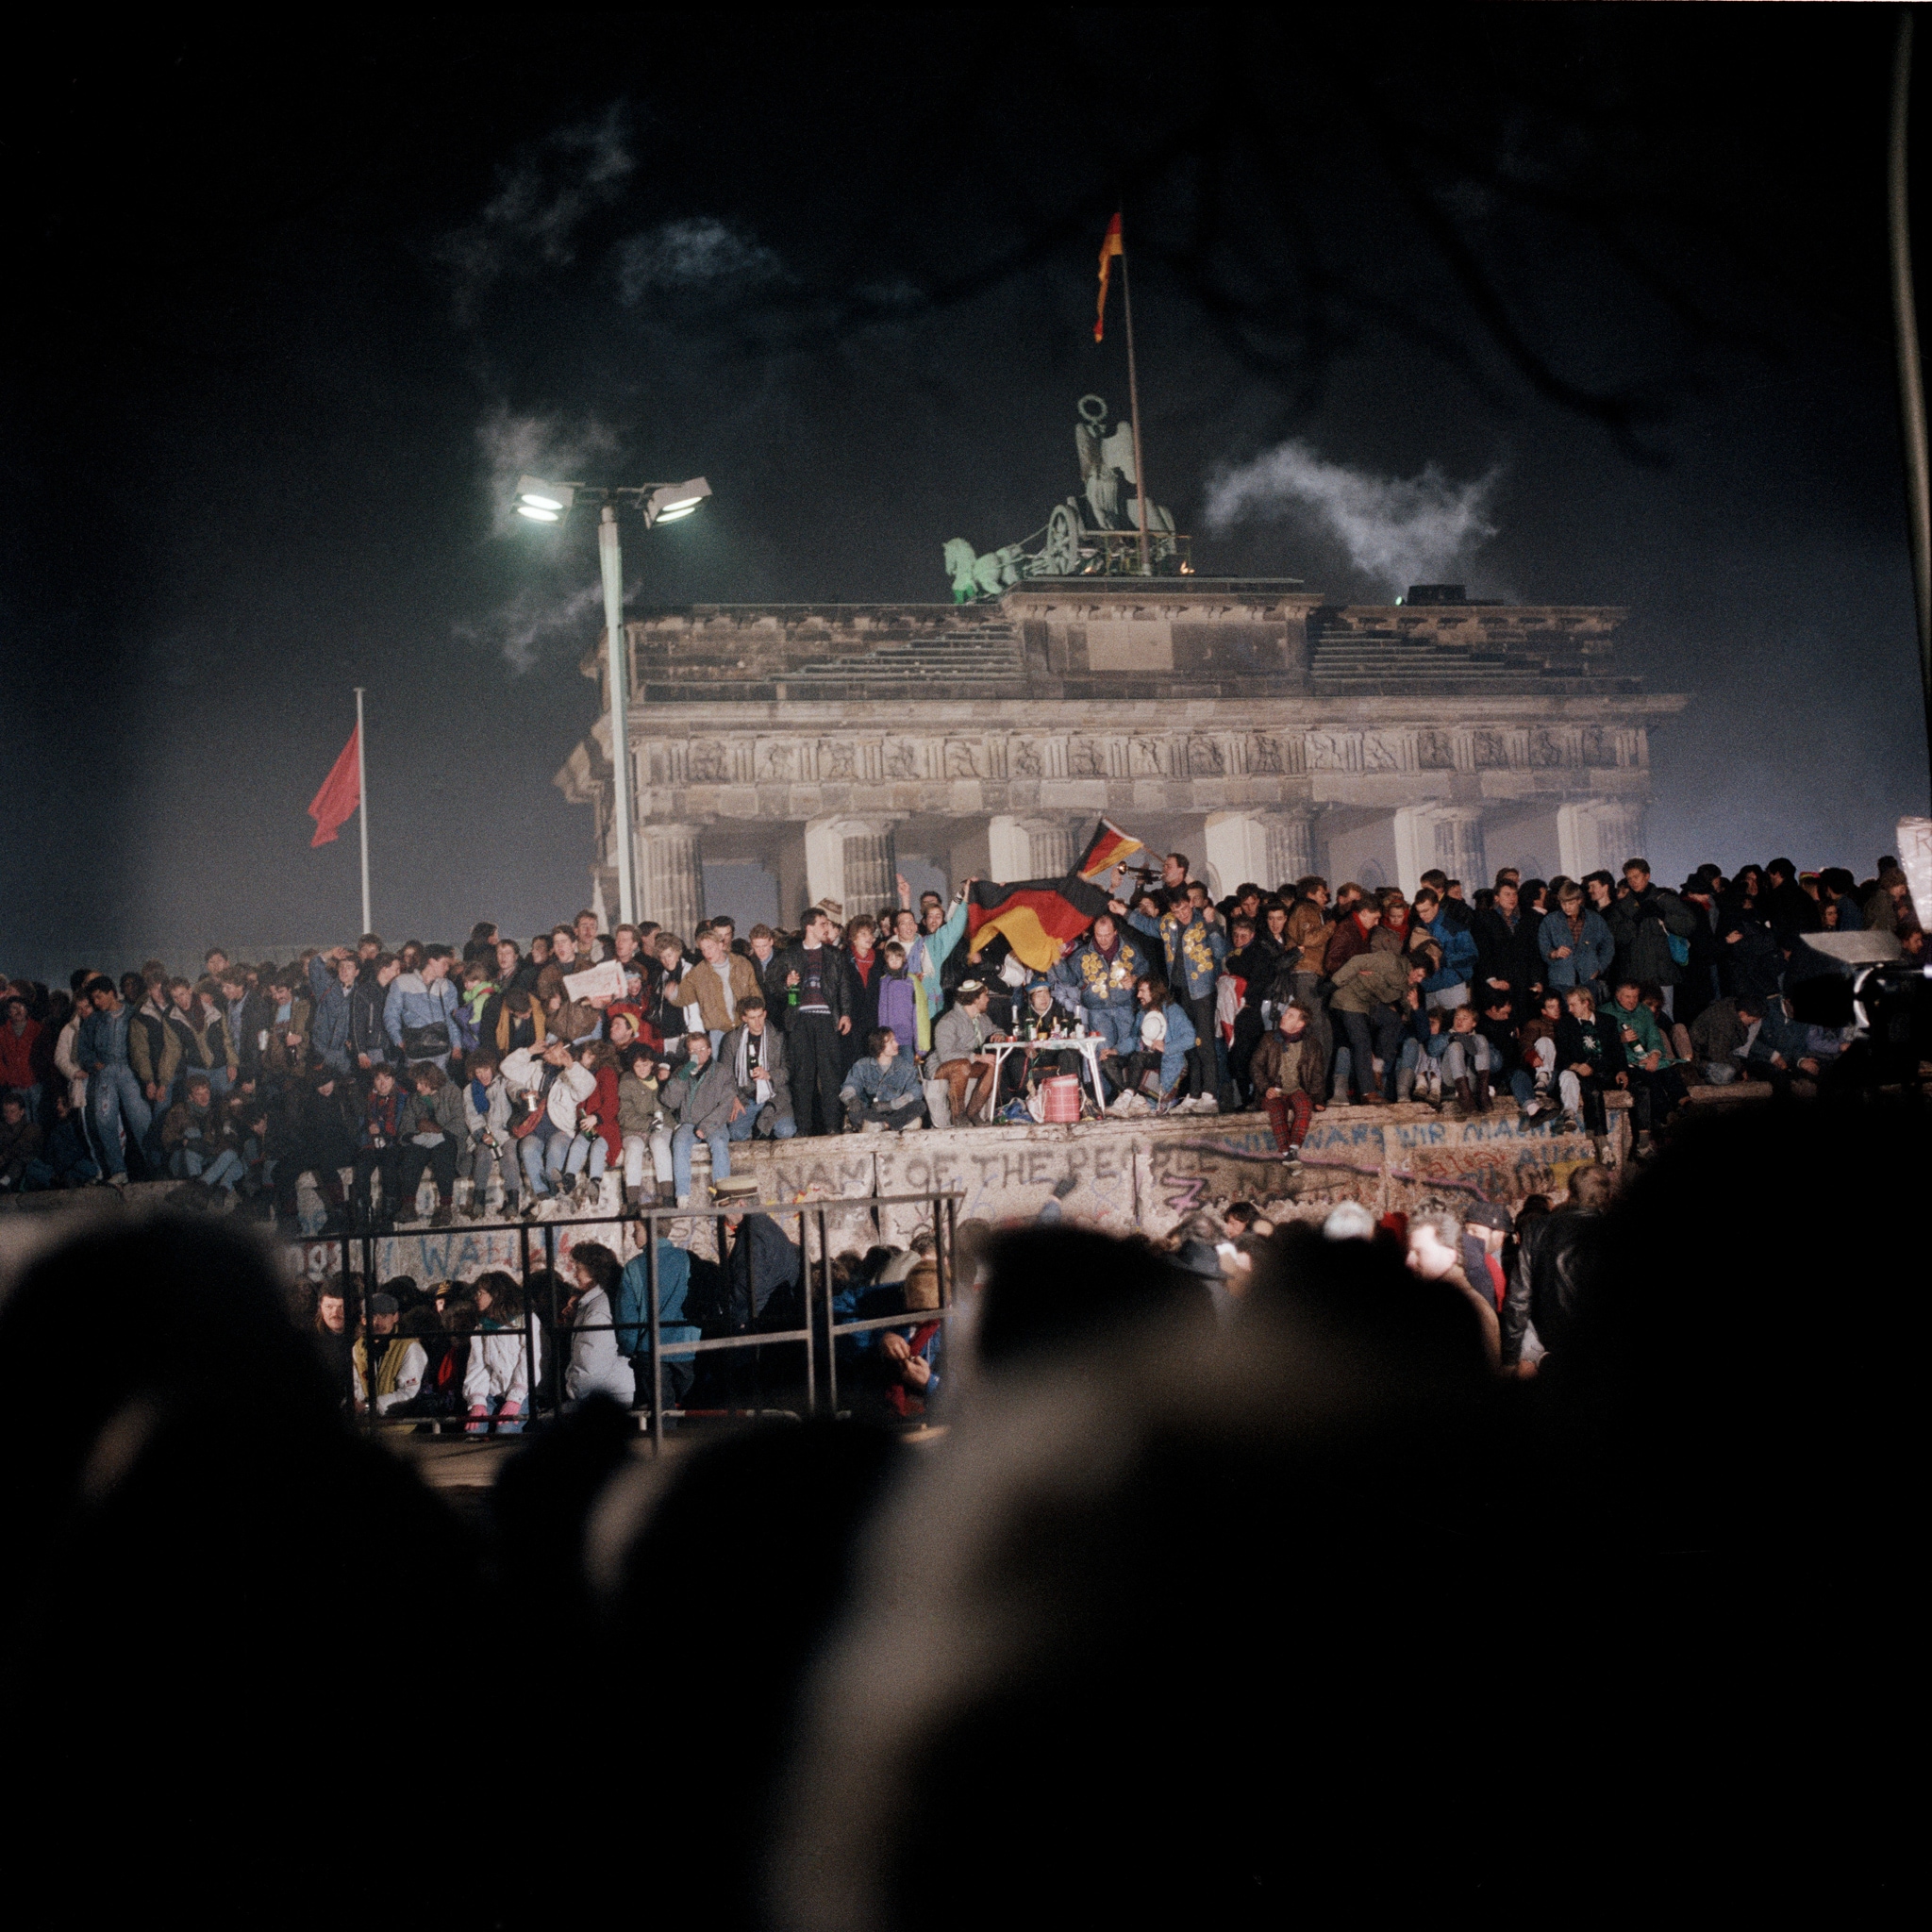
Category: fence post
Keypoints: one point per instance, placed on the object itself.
(533, 1356)
(556, 1341)
(368, 1336)
(656, 1337)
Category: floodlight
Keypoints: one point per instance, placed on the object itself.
(541, 495)
(670, 501)
(539, 513)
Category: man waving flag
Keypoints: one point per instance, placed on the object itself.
(1108, 847)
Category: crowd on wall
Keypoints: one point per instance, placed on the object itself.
(510, 1078)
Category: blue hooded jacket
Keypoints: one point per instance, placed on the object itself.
(633, 1316)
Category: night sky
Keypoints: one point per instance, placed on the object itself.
(1604, 289)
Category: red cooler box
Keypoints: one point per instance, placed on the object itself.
(1060, 1098)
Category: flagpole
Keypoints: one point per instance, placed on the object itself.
(362, 807)
(1134, 403)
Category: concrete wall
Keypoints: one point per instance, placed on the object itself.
(1147, 1178)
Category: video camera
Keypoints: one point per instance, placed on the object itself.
(1884, 996)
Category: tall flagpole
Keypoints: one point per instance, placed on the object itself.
(1134, 404)
(362, 807)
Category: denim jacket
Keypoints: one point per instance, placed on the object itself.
(102, 1037)
(1590, 957)
(329, 1031)
(416, 1001)
(885, 1086)
(1194, 950)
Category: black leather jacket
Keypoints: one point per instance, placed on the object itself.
(836, 975)
(1546, 1288)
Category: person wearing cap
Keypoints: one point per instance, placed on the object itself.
(400, 1361)
(1486, 1226)
(956, 1056)
(1700, 972)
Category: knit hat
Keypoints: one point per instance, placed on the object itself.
(1491, 1214)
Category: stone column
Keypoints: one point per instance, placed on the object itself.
(1030, 848)
(851, 861)
(1271, 848)
(1599, 834)
(671, 877)
(1448, 838)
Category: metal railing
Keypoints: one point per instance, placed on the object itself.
(821, 1331)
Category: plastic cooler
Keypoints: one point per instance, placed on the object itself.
(1060, 1098)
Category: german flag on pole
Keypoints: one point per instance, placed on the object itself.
(1037, 916)
(1110, 245)
(1108, 847)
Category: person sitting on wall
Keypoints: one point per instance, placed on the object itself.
(957, 1057)
(1289, 1077)
(1152, 1074)
(754, 1051)
(882, 1089)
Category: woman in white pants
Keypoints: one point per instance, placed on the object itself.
(641, 1122)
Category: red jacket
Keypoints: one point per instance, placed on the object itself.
(1349, 938)
(603, 1103)
(16, 1054)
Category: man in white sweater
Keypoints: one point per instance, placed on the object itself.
(552, 1077)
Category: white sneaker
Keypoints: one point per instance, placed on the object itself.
(117, 1180)
(1209, 1104)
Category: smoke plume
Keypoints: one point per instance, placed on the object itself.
(1397, 529)
(559, 600)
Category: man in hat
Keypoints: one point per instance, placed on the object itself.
(400, 1361)
(957, 1058)
(1486, 1226)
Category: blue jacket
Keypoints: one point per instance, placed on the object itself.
(416, 1001)
(1095, 983)
(102, 1037)
(633, 1316)
(1193, 949)
(329, 1031)
(884, 1084)
(1180, 1039)
(931, 951)
(1589, 959)
(1459, 954)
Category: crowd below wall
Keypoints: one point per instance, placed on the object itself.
(1268, 1484)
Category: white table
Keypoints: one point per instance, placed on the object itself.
(1089, 1046)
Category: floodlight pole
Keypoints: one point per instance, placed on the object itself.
(610, 556)
(1911, 383)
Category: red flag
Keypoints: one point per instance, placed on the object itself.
(341, 793)
(1110, 245)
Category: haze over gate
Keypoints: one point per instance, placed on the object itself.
(288, 329)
